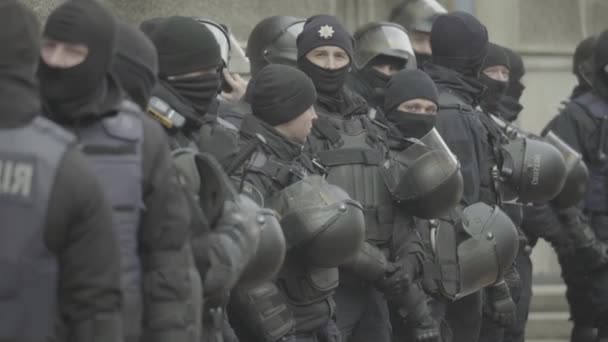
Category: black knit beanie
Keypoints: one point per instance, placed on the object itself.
(459, 42)
(323, 30)
(408, 85)
(496, 56)
(136, 63)
(184, 46)
(280, 93)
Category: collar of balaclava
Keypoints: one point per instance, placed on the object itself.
(275, 142)
(467, 88)
(104, 102)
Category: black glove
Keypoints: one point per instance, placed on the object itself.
(426, 330)
(499, 305)
(395, 281)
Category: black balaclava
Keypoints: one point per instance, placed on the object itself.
(409, 85)
(495, 90)
(19, 37)
(135, 64)
(376, 80)
(82, 90)
(422, 58)
(281, 93)
(185, 46)
(600, 66)
(582, 65)
(510, 107)
(323, 30)
(459, 42)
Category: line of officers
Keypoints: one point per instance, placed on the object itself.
(356, 189)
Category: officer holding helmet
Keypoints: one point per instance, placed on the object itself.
(381, 50)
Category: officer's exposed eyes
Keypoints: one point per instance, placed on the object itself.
(387, 69)
(497, 72)
(58, 54)
(329, 57)
(195, 74)
(419, 106)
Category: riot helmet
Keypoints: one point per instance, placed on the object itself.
(215, 190)
(273, 41)
(429, 182)
(383, 39)
(533, 169)
(417, 15)
(222, 37)
(271, 250)
(322, 224)
(577, 174)
(473, 248)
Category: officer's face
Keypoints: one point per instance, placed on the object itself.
(299, 128)
(387, 69)
(329, 57)
(418, 106)
(498, 73)
(62, 55)
(421, 42)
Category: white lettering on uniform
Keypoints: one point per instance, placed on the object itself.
(16, 178)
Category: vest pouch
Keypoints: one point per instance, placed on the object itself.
(365, 184)
(380, 224)
(305, 286)
(122, 184)
(312, 318)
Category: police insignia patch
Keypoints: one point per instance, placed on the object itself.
(326, 32)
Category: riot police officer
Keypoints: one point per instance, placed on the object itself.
(132, 161)
(582, 126)
(582, 66)
(59, 259)
(494, 75)
(185, 99)
(224, 239)
(381, 50)
(411, 108)
(354, 151)
(480, 146)
(510, 107)
(418, 16)
(315, 216)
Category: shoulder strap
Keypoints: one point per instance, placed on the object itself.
(325, 128)
(448, 100)
(592, 106)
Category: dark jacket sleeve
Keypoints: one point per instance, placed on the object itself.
(164, 244)
(576, 128)
(80, 233)
(454, 129)
(573, 240)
